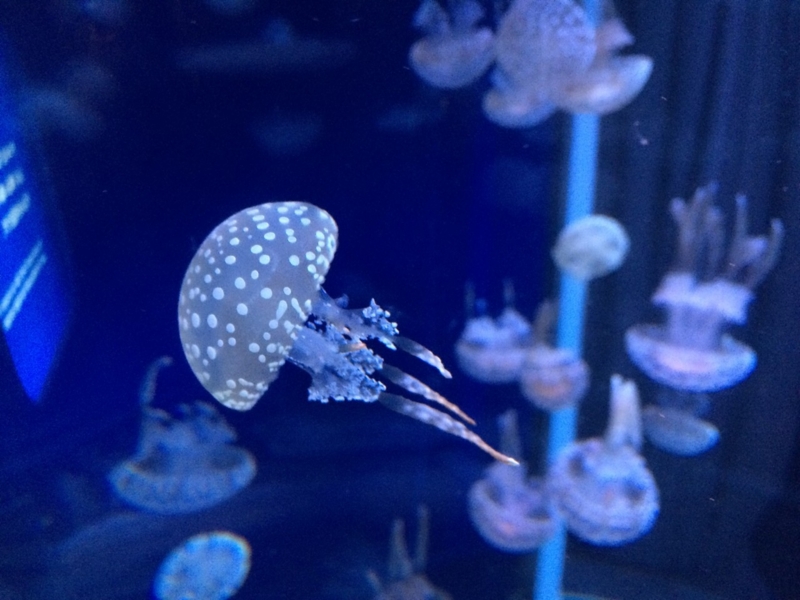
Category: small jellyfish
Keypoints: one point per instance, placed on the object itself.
(674, 424)
(454, 52)
(591, 247)
(207, 566)
(603, 489)
(704, 291)
(552, 378)
(252, 299)
(182, 464)
(513, 106)
(407, 580)
(510, 511)
(492, 350)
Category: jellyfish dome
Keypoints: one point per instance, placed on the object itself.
(704, 291)
(678, 432)
(252, 299)
(510, 511)
(184, 463)
(207, 566)
(454, 52)
(603, 489)
(591, 247)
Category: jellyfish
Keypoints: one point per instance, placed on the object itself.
(492, 350)
(510, 511)
(183, 463)
(252, 299)
(591, 247)
(674, 424)
(549, 56)
(207, 566)
(552, 378)
(454, 52)
(705, 290)
(407, 580)
(602, 486)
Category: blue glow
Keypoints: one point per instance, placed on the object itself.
(35, 299)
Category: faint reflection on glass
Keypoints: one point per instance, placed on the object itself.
(406, 574)
(183, 463)
(551, 378)
(674, 424)
(492, 350)
(511, 511)
(602, 486)
(705, 290)
(207, 566)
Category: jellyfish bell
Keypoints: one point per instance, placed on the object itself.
(703, 292)
(603, 489)
(591, 247)
(252, 298)
(515, 107)
(510, 511)
(454, 52)
(183, 463)
(207, 566)
(677, 431)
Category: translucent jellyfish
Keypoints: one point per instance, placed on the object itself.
(252, 298)
(674, 424)
(552, 378)
(183, 463)
(591, 247)
(704, 291)
(549, 56)
(407, 580)
(602, 486)
(207, 566)
(492, 350)
(510, 511)
(455, 51)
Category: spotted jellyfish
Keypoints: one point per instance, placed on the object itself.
(207, 566)
(183, 463)
(603, 489)
(552, 378)
(407, 580)
(705, 290)
(591, 247)
(511, 511)
(492, 350)
(674, 423)
(252, 298)
(455, 51)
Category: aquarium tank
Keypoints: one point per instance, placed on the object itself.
(556, 239)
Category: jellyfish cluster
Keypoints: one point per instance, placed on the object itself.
(207, 566)
(707, 290)
(183, 463)
(547, 56)
(511, 349)
(406, 574)
(252, 298)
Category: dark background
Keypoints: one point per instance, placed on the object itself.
(420, 213)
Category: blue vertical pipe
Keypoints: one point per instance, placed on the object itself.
(581, 182)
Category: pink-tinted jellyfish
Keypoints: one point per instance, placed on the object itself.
(591, 247)
(493, 350)
(183, 463)
(406, 576)
(674, 424)
(510, 511)
(207, 566)
(705, 290)
(552, 378)
(455, 51)
(252, 299)
(602, 486)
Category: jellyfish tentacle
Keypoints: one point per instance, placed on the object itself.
(421, 352)
(443, 421)
(147, 391)
(415, 386)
